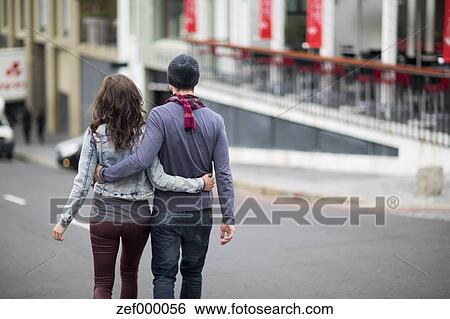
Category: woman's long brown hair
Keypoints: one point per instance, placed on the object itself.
(119, 105)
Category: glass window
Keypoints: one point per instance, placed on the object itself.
(43, 15)
(172, 19)
(133, 16)
(295, 29)
(22, 14)
(98, 22)
(66, 17)
(5, 13)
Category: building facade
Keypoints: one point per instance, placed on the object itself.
(71, 45)
(363, 87)
(287, 103)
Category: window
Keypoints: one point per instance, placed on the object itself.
(66, 17)
(170, 22)
(175, 17)
(43, 15)
(98, 22)
(22, 14)
(5, 13)
(133, 16)
(295, 29)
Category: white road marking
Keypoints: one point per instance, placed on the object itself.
(15, 199)
(81, 225)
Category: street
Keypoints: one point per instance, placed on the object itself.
(407, 258)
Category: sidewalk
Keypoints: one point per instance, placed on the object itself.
(42, 154)
(301, 182)
(313, 184)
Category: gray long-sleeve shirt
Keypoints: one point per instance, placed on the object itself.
(183, 153)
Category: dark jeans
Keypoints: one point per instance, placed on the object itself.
(170, 232)
(105, 240)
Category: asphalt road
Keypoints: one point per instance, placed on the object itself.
(406, 258)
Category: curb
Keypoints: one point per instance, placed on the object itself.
(24, 157)
(273, 191)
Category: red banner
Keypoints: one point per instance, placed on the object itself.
(265, 23)
(314, 23)
(446, 44)
(190, 18)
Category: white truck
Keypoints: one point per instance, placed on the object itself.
(13, 74)
(6, 133)
(13, 88)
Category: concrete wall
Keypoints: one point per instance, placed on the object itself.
(67, 88)
(256, 130)
(128, 40)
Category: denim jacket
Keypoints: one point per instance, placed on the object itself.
(97, 148)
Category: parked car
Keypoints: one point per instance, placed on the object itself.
(6, 138)
(6, 134)
(68, 152)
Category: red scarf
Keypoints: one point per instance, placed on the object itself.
(189, 103)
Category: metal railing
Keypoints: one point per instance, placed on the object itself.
(400, 99)
(100, 31)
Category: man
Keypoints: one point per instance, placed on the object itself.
(40, 121)
(189, 138)
(27, 122)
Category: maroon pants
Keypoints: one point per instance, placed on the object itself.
(105, 240)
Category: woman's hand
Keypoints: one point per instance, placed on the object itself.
(58, 232)
(210, 182)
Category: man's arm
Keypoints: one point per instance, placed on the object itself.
(224, 179)
(144, 156)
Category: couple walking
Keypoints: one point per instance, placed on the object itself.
(168, 159)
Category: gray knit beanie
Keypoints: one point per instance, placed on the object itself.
(183, 72)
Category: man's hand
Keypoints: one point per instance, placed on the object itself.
(98, 177)
(58, 232)
(226, 233)
(210, 182)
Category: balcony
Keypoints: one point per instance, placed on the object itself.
(98, 22)
(402, 100)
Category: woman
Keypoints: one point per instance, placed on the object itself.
(120, 210)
